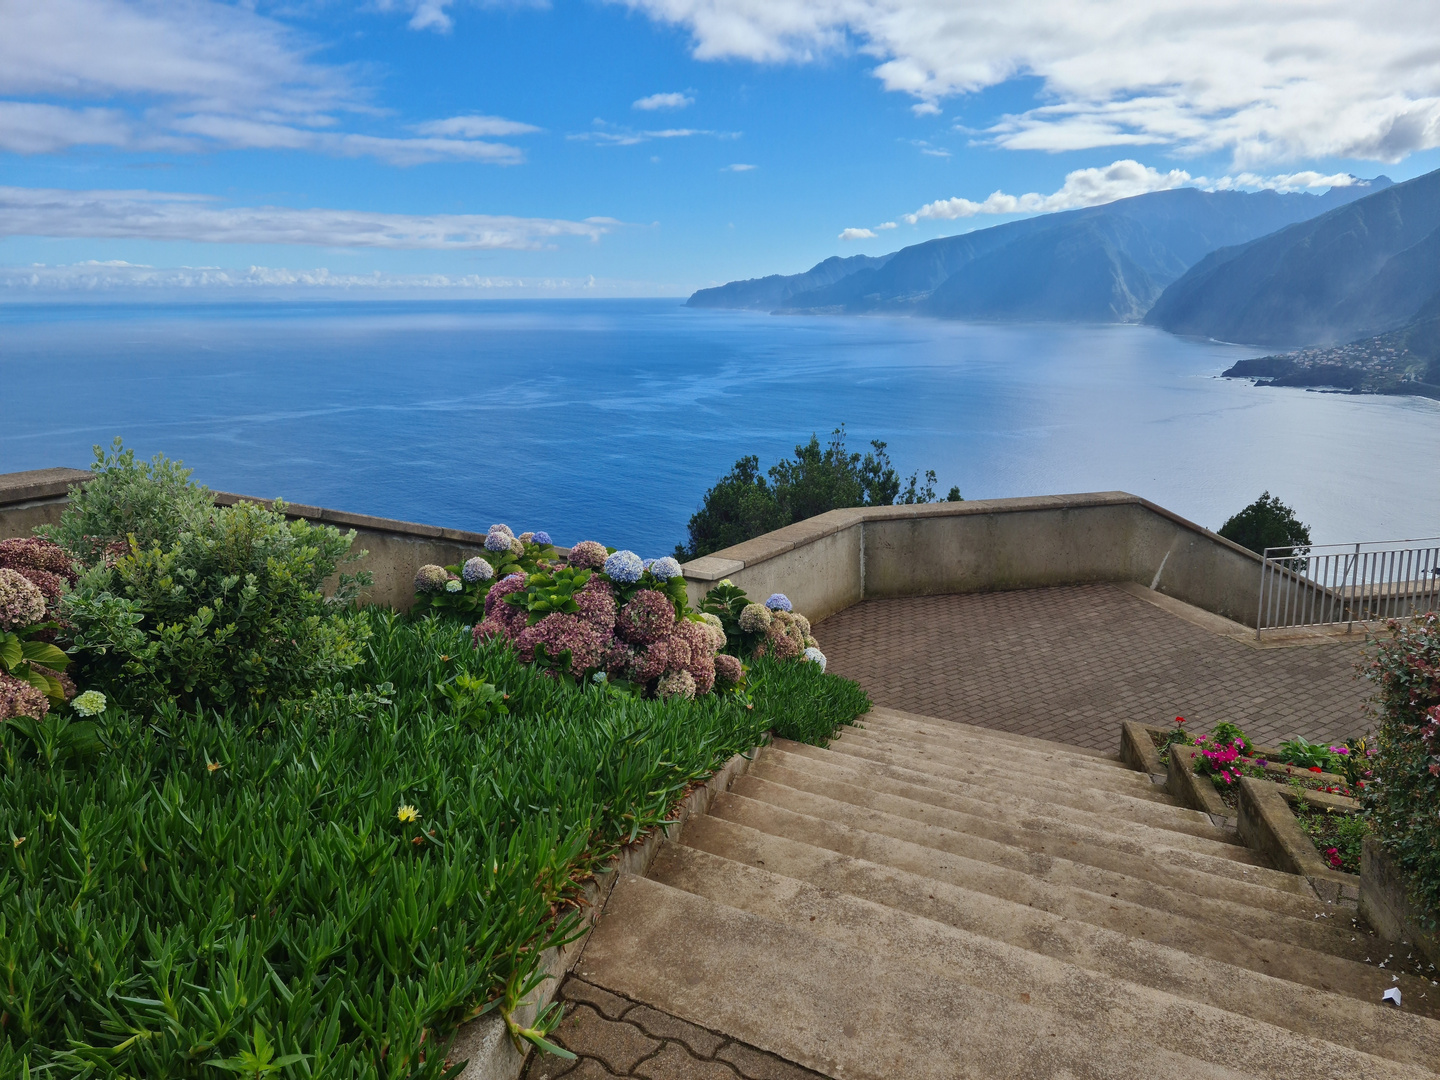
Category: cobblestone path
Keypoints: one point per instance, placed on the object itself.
(1069, 664)
(613, 1037)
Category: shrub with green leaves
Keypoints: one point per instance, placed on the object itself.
(1267, 523)
(229, 610)
(329, 886)
(151, 501)
(1403, 794)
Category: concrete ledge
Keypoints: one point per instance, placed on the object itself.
(1194, 791)
(484, 1043)
(39, 484)
(1386, 904)
(1138, 749)
(1268, 825)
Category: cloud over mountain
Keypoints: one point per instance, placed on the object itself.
(1262, 81)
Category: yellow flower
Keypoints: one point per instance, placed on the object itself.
(407, 813)
(212, 765)
(17, 840)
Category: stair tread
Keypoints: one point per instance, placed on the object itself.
(1048, 881)
(1259, 885)
(962, 744)
(1206, 963)
(900, 718)
(1015, 809)
(799, 1001)
(1160, 812)
(947, 767)
(919, 918)
(1031, 831)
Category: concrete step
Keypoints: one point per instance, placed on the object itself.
(991, 789)
(899, 719)
(1204, 874)
(1020, 758)
(838, 1009)
(953, 767)
(936, 1001)
(1060, 886)
(1038, 832)
(1301, 989)
(1076, 977)
(1014, 810)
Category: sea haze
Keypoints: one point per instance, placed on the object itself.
(609, 419)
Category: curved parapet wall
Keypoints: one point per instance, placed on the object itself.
(829, 562)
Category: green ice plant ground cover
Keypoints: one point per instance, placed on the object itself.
(330, 887)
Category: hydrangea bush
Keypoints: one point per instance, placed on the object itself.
(600, 616)
(461, 589)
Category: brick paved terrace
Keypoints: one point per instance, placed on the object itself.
(1069, 664)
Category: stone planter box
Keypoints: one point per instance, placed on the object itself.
(484, 1043)
(1267, 824)
(1386, 904)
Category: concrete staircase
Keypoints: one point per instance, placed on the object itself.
(926, 899)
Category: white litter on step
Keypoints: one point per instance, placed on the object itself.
(1392, 995)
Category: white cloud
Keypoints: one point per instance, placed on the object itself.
(475, 127)
(191, 75)
(1264, 81)
(153, 215)
(664, 101)
(1118, 180)
(857, 234)
(117, 275)
(885, 225)
(739, 168)
(1083, 187)
(614, 135)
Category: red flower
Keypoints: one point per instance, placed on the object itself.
(1179, 719)
(1316, 768)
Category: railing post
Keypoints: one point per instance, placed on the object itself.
(1351, 623)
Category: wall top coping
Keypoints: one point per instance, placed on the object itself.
(18, 487)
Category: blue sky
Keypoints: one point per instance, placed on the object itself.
(497, 149)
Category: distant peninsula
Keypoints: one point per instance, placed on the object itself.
(1404, 361)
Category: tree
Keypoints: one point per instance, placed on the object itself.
(742, 504)
(1267, 522)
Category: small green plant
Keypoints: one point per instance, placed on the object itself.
(151, 501)
(1176, 736)
(1301, 752)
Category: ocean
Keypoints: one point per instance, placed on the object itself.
(608, 420)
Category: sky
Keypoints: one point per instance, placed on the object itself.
(650, 147)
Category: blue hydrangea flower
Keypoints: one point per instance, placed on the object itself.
(815, 656)
(477, 569)
(542, 538)
(665, 568)
(779, 602)
(497, 541)
(624, 567)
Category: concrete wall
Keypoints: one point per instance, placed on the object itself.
(835, 560)
(394, 548)
(829, 562)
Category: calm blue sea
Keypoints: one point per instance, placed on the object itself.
(609, 419)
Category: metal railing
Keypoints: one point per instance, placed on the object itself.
(1331, 584)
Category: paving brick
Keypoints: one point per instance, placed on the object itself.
(1069, 664)
(755, 1064)
(618, 1045)
(664, 1026)
(673, 1063)
(605, 1003)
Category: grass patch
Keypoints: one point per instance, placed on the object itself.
(203, 891)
